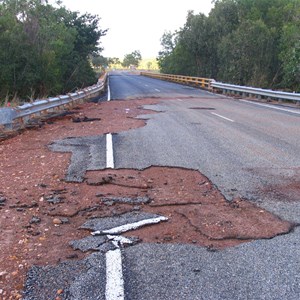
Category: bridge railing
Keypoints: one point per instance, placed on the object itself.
(19, 116)
(228, 89)
(204, 83)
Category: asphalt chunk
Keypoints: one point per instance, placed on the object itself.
(128, 200)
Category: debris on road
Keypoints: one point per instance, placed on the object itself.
(129, 200)
(34, 187)
(2, 200)
(84, 119)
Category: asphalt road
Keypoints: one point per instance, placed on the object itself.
(247, 150)
(126, 86)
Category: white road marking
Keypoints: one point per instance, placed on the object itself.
(114, 289)
(272, 106)
(180, 100)
(108, 91)
(132, 226)
(109, 152)
(146, 85)
(220, 116)
(119, 240)
(157, 90)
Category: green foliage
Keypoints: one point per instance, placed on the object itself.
(246, 55)
(290, 49)
(148, 64)
(132, 60)
(99, 62)
(249, 42)
(114, 61)
(44, 50)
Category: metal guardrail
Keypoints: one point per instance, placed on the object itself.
(19, 116)
(245, 91)
(197, 81)
(212, 85)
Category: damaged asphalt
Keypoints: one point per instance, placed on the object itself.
(256, 270)
(87, 154)
(261, 269)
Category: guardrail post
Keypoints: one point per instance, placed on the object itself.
(7, 115)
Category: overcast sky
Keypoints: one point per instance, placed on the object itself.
(137, 24)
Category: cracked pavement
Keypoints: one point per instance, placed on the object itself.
(179, 166)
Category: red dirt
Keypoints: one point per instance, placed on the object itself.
(31, 173)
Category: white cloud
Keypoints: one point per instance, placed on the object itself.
(137, 24)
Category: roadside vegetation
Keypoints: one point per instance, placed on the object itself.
(245, 42)
(45, 50)
(149, 64)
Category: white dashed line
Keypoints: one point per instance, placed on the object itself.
(273, 107)
(108, 91)
(109, 152)
(179, 100)
(220, 116)
(157, 90)
(119, 240)
(114, 289)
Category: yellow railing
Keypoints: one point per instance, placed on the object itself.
(204, 83)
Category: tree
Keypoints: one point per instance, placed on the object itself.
(133, 59)
(245, 55)
(45, 50)
(164, 58)
(99, 61)
(193, 37)
(149, 65)
(249, 42)
(177, 61)
(290, 56)
(114, 63)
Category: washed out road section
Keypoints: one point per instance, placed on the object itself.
(43, 212)
(34, 228)
(256, 157)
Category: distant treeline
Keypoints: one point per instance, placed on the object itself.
(44, 50)
(246, 42)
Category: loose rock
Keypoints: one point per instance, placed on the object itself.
(2, 200)
(35, 220)
(57, 221)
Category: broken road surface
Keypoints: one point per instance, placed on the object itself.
(191, 205)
